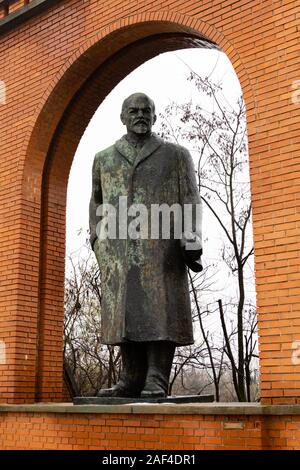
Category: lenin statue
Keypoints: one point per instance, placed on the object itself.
(145, 307)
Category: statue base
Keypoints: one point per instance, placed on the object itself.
(124, 401)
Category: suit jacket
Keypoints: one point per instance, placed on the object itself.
(144, 283)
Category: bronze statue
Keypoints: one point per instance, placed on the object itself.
(145, 296)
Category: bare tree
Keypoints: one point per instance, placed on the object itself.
(215, 131)
(88, 364)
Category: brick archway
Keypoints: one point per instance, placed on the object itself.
(61, 89)
(61, 118)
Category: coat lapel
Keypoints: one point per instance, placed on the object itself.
(150, 147)
(126, 150)
(129, 152)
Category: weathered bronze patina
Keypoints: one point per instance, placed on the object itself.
(145, 297)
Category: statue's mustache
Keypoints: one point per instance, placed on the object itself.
(141, 121)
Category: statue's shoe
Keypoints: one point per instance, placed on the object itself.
(118, 391)
(153, 391)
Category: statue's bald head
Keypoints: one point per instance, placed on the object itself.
(138, 114)
(137, 96)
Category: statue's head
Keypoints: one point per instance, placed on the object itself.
(138, 114)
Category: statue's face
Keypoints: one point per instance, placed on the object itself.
(138, 116)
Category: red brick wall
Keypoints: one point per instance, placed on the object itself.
(44, 64)
(92, 431)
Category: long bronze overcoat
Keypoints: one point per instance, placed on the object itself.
(145, 295)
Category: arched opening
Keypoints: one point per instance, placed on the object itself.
(184, 111)
(60, 124)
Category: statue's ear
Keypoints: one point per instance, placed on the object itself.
(122, 118)
(154, 118)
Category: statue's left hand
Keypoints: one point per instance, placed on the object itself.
(192, 250)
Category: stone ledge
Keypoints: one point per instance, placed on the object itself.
(25, 13)
(146, 408)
